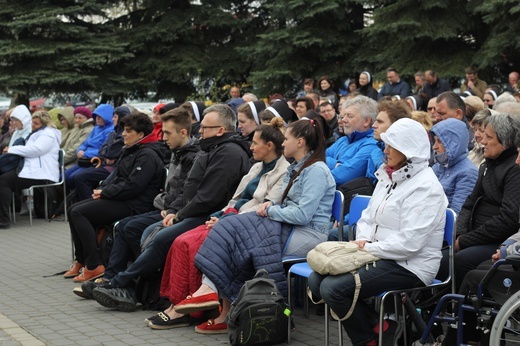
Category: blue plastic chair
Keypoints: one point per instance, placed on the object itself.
(358, 204)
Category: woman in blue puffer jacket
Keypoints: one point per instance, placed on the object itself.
(455, 171)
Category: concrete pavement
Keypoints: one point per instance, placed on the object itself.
(38, 310)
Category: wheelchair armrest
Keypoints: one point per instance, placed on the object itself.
(513, 259)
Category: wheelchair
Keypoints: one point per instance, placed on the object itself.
(497, 316)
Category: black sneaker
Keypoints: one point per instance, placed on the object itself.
(86, 288)
(122, 299)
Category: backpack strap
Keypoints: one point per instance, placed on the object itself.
(354, 299)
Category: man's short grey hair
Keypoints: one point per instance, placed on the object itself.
(504, 98)
(249, 97)
(226, 115)
(507, 127)
(508, 107)
(481, 118)
(365, 105)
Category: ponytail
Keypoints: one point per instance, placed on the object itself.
(311, 131)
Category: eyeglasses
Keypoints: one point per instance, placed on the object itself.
(202, 127)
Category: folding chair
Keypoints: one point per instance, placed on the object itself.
(30, 190)
(449, 238)
(303, 269)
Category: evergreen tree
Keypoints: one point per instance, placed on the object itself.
(412, 35)
(59, 45)
(304, 38)
(500, 49)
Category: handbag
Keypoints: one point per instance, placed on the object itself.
(339, 257)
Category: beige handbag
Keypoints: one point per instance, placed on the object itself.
(338, 257)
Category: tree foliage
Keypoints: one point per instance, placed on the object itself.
(179, 48)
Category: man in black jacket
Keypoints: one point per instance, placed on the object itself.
(211, 182)
(434, 85)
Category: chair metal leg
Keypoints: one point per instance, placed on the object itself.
(14, 208)
(340, 333)
(30, 195)
(326, 325)
(290, 305)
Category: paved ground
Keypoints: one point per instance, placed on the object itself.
(38, 310)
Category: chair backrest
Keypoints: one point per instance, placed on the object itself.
(337, 206)
(449, 227)
(61, 163)
(449, 238)
(358, 204)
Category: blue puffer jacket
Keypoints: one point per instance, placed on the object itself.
(347, 158)
(99, 134)
(237, 246)
(459, 175)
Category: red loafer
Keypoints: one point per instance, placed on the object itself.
(193, 304)
(211, 327)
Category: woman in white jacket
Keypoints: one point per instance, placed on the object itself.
(40, 164)
(403, 225)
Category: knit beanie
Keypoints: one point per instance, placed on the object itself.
(85, 111)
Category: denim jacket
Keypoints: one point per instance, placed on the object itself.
(309, 201)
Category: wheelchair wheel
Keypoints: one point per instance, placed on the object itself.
(506, 327)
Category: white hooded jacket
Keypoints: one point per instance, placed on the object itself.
(21, 113)
(405, 218)
(41, 155)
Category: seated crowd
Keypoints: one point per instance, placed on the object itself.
(187, 184)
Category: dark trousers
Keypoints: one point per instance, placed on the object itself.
(465, 260)
(87, 180)
(69, 176)
(85, 217)
(10, 182)
(154, 256)
(127, 244)
(338, 291)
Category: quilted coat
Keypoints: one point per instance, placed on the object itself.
(238, 246)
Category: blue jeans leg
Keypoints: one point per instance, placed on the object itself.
(155, 254)
(338, 292)
(69, 175)
(127, 246)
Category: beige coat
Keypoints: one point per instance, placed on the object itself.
(76, 136)
(269, 186)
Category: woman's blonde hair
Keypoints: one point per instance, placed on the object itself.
(425, 119)
(44, 117)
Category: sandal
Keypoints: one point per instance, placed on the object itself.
(164, 322)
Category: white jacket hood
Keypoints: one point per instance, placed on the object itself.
(410, 138)
(22, 113)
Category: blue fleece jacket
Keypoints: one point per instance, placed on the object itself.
(347, 158)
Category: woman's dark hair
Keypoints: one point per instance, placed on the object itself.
(273, 133)
(309, 104)
(311, 131)
(327, 131)
(138, 122)
(328, 80)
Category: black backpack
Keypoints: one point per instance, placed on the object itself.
(259, 316)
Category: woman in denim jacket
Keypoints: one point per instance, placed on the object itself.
(233, 251)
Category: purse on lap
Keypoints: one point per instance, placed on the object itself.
(339, 257)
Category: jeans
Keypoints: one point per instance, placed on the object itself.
(69, 175)
(87, 180)
(465, 260)
(154, 256)
(127, 243)
(338, 291)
